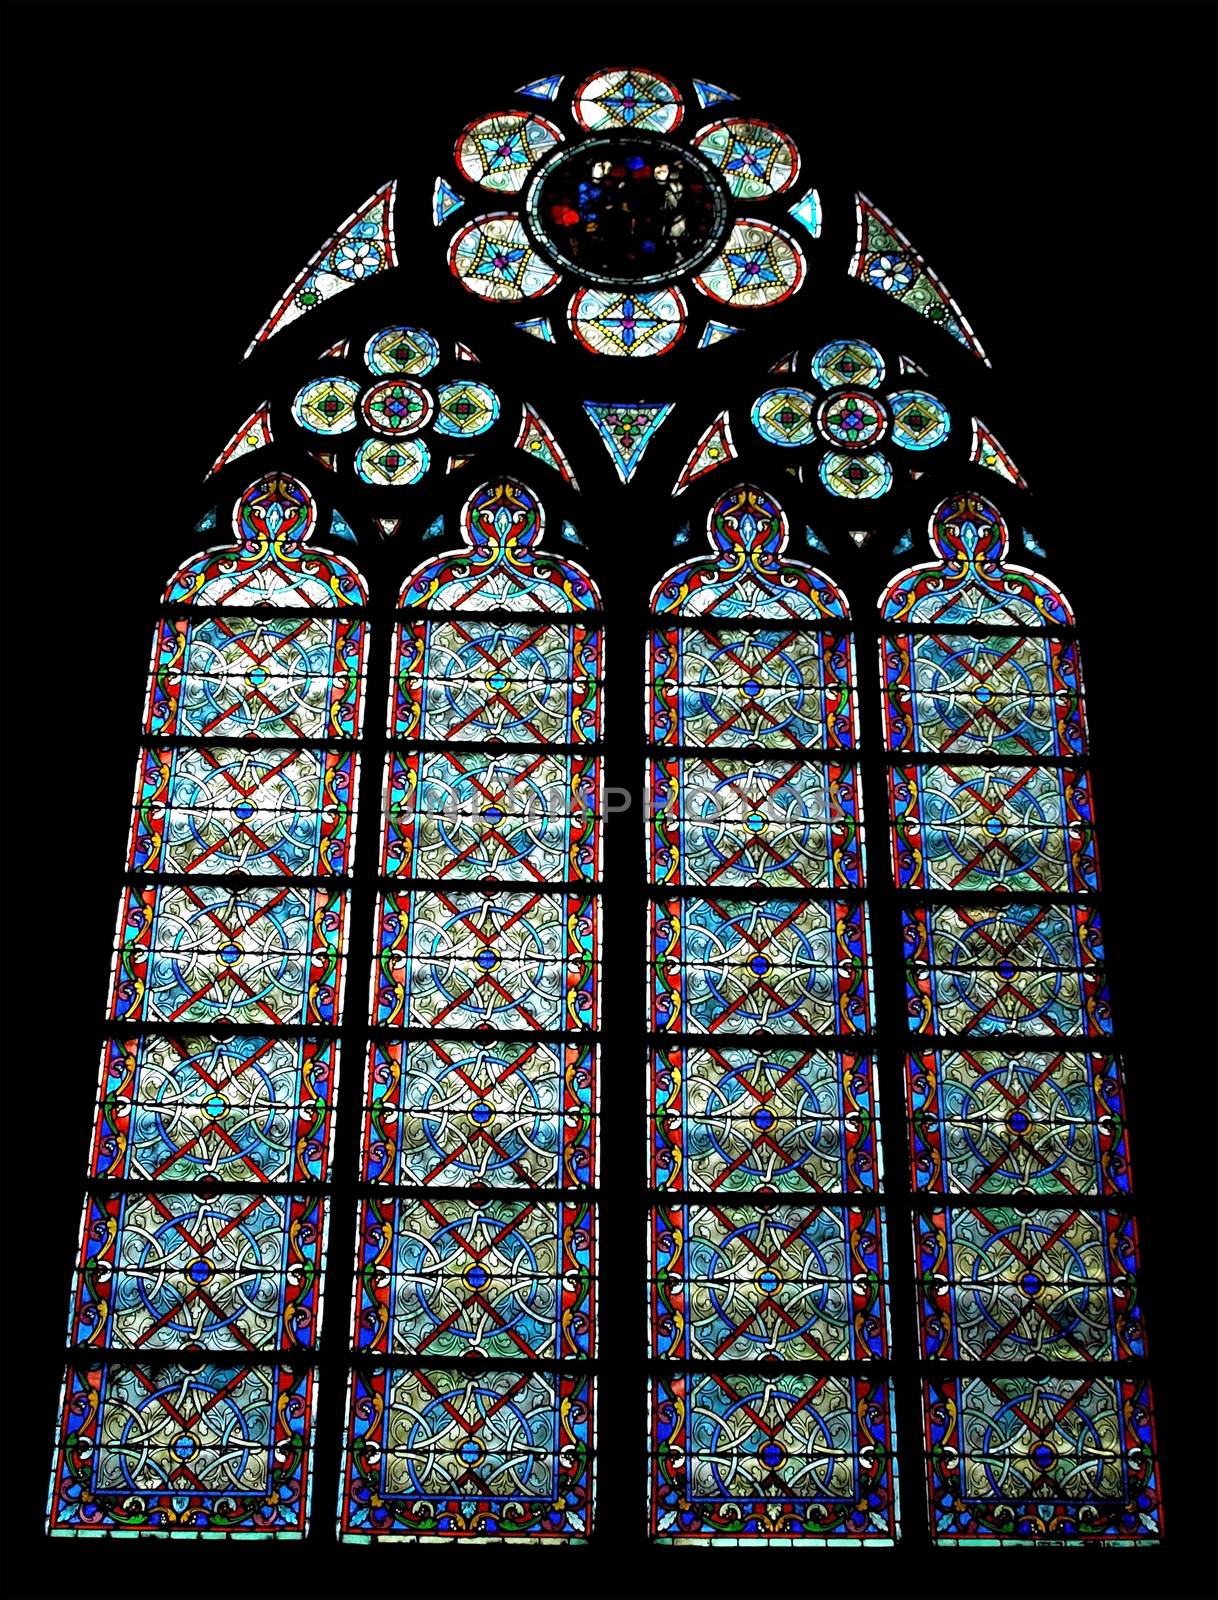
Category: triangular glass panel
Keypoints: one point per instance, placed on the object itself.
(626, 430)
(464, 353)
(455, 463)
(1033, 545)
(336, 352)
(884, 258)
(362, 248)
(253, 433)
(536, 440)
(711, 451)
(387, 526)
(904, 543)
(682, 534)
(860, 536)
(814, 543)
(710, 94)
(787, 363)
(988, 453)
(435, 530)
(324, 457)
(568, 532)
(444, 201)
(807, 211)
(715, 333)
(542, 88)
(206, 522)
(538, 328)
(340, 528)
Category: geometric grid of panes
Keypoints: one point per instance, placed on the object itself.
(771, 1417)
(1025, 1243)
(470, 1413)
(188, 1403)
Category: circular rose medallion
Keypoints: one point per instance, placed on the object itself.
(758, 266)
(853, 477)
(613, 322)
(919, 421)
(493, 257)
(849, 361)
(627, 210)
(627, 97)
(852, 418)
(391, 463)
(327, 405)
(498, 151)
(756, 159)
(409, 351)
(786, 417)
(397, 406)
(466, 409)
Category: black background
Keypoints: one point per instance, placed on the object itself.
(170, 169)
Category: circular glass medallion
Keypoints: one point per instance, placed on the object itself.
(390, 463)
(410, 351)
(758, 266)
(498, 151)
(919, 421)
(466, 409)
(756, 159)
(785, 416)
(612, 323)
(848, 361)
(627, 97)
(494, 257)
(855, 477)
(397, 406)
(627, 210)
(853, 418)
(327, 405)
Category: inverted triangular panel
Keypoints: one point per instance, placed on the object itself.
(444, 201)
(710, 94)
(362, 248)
(626, 430)
(860, 536)
(253, 434)
(711, 451)
(538, 328)
(340, 528)
(387, 526)
(988, 453)
(807, 211)
(715, 333)
(542, 88)
(536, 440)
(884, 258)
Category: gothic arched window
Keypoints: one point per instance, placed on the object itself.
(691, 1111)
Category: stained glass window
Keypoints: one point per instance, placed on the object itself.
(768, 1256)
(1026, 1263)
(188, 1403)
(477, 1227)
(868, 1068)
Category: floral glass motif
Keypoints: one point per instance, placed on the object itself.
(402, 403)
(200, 1245)
(611, 194)
(1005, 942)
(488, 963)
(853, 417)
(754, 817)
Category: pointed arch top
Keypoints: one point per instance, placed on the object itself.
(973, 582)
(269, 564)
(500, 567)
(746, 576)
